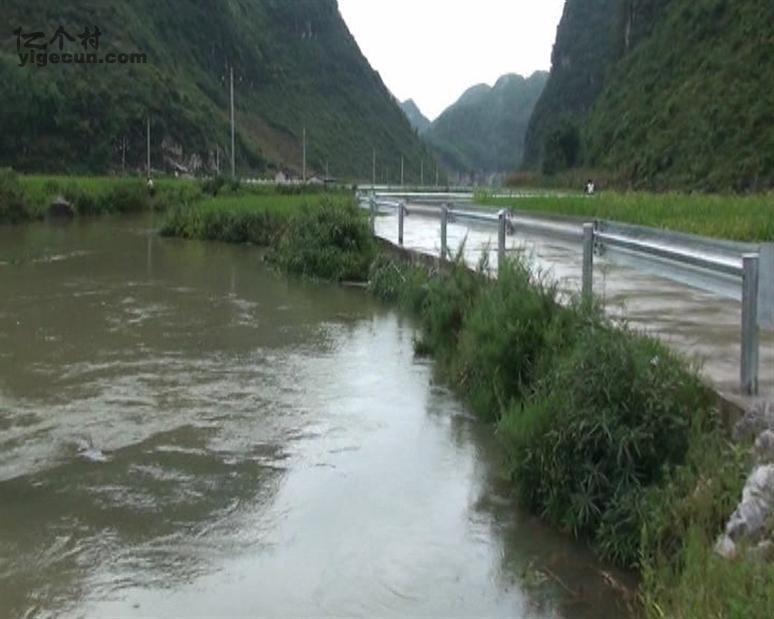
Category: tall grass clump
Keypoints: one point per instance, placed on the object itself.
(253, 219)
(609, 418)
(330, 240)
(14, 206)
(506, 336)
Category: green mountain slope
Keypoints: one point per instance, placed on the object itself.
(693, 105)
(415, 116)
(661, 94)
(586, 47)
(483, 132)
(296, 66)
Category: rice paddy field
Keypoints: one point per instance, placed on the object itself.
(738, 218)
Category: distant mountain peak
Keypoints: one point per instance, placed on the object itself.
(415, 116)
(483, 131)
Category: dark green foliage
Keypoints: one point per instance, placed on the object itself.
(607, 419)
(295, 64)
(13, 204)
(484, 130)
(506, 334)
(691, 106)
(562, 147)
(331, 241)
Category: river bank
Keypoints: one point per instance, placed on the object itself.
(186, 431)
(611, 437)
(26, 198)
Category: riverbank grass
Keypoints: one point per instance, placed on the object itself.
(739, 218)
(28, 198)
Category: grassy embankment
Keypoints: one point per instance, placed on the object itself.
(323, 236)
(27, 198)
(739, 218)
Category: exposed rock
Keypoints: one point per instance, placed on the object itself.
(61, 208)
(748, 522)
(757, 420)
(764, 447)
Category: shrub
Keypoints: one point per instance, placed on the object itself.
(330, 241)
(606, 423)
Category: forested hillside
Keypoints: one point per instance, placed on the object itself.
(661, 94)
(483, 132)
(295, 63)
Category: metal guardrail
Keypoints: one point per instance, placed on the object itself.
(744, 266)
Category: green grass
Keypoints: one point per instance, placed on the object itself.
(748, 218)
(256, 219)
(27, 198)
(321, 236)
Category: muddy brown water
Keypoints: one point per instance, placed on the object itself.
(185, 433)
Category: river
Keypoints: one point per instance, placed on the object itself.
(184, 432)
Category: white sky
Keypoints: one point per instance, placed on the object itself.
(433, 50)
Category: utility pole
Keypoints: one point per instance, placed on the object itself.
(436, 174)
(303, 164)
(148, 167)
(233, 127)
(373, 171)
(327, 170)
(401, 170)
(422, 174)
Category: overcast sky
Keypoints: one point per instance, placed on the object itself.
(433, 50)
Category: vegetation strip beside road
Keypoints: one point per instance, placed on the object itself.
(611, 436)
(737, 218)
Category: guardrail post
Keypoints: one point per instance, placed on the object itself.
(588, 263)
(401, 213)
(444, 223)
(502, 224)
(750, 359)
